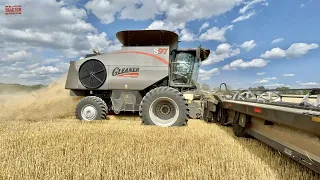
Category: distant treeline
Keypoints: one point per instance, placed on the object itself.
(16, 88)
(283, 90)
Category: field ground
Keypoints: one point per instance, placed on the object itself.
(41, 139)
(123, 148)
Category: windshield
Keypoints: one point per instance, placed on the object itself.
(195, 72)
(182, 68)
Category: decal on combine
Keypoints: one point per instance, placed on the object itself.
(126, 72)
(160, 50)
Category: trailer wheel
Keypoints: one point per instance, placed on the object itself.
(221, 115)
(238, 130)
(164, 106)
(91, 108)
(208, 116)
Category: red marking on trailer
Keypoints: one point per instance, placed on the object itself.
(257, 110)
(144, 53)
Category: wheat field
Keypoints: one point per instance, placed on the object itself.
(41, 139)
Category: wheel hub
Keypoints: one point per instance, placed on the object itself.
(164, 111)
(88, 112)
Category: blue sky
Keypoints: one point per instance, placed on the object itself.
(257, 42)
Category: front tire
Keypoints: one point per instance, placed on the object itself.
(164, 106)
(91, 108)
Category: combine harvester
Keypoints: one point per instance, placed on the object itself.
(291, 128)
(149, 75)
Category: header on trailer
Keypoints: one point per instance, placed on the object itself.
(147, 37)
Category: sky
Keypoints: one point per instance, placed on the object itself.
(253, 43)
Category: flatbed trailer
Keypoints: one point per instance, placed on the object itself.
(287, 127)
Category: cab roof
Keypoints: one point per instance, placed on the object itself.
(147, 38)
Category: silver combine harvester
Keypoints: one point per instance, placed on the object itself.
(150, 74)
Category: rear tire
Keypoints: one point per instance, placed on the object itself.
(164, 106)
(91, 108)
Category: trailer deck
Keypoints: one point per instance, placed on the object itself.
(269, 123)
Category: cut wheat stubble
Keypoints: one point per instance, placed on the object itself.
(41, 139)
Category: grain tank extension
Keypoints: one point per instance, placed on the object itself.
(149, 74)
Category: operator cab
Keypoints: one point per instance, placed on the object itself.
(185, 65)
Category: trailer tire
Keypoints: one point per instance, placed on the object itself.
(91, 108)
(221, 115)
(164, 106)
(238, 130)
(208, 116)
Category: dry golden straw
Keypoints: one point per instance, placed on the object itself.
(41, 139)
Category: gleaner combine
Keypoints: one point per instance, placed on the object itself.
(151, 75)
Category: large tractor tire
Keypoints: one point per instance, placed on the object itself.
(91, 108)
(164, 106)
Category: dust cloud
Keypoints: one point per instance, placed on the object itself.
(45, 104)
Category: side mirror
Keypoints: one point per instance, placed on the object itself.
(198, 56)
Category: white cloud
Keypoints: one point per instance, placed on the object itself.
(216, 34)
(204, 26)
(176, 12)
(165, 25)
(277, 40)
(294, 51)
(239, 63)
(62, 66)
(300, 49)
(205, 75)
(32, 66)
(274, 53)
(309, 84)
(186, 35)
(250, 5)
(302, 6)
(287, 75)
(276, 85)
(50, 60)
(101, 43)
(264, 80)
(138, 9)
(222, 52)
(64, 30)
(17, 57)
(44, 70)
(270, 78)
(244, 17)
(248, 45)
(261, 73)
